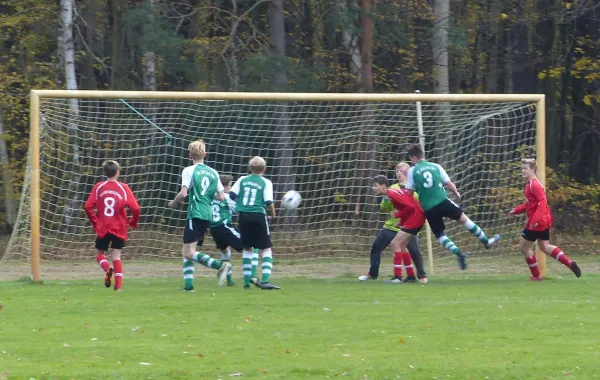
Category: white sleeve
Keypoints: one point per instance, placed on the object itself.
(443, 175)
(230, 203)
(410, 181)
(236, 186)
(186, 177)
(268, 194)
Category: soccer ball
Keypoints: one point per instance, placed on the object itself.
(291, 200)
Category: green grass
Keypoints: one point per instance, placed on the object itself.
(463, 327)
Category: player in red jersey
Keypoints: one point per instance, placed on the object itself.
(110, 223)
(539, 220)
(412, 219)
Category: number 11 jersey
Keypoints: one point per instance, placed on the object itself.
(252, 192)
(428, 180)
(203, 183)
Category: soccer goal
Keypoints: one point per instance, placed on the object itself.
(326, 146)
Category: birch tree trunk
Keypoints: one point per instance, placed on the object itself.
(66, 33)
(149, 59)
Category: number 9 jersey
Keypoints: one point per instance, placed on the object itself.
(428, 180)
(203, 183)
(110, 199)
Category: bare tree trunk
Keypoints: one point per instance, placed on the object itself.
(286, 178)
(9, 201)
(367, 139)
(149, 60)
(441, 76)
(350, 42)
(66, 18)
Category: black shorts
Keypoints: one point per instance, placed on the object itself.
(194, 230)
(109, 240)
(530, 235)
(412, 231)
(435, 216)
(254, 228)
(226, 236)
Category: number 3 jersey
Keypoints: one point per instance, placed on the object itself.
(203, 183)
(428, 180)
(252, 192)
(110, 199)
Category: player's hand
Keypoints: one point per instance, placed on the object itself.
(534, 225)
(512, 212)
(171, 204)
(457, 195)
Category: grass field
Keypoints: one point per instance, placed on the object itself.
(457, 327)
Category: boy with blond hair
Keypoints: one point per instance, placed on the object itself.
(539, 220)
(253, 195)
(203, 184)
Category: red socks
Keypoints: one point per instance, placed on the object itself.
(533, 266)
(559, 256)
(118, 273)
(398, 264)
(410, 272)
(101, 259)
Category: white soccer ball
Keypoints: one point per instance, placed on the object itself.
(291, 200)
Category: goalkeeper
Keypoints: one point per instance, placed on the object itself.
(388, 232)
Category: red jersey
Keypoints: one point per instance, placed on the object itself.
(536, 206)
(110, 199)
(408, 209)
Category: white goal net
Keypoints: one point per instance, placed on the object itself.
(328, 151)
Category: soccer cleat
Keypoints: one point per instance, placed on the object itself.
(492, 241)
(247, 287)
(575, 269)
(268, 286)
(394, 280)
(423, 280)
(187, 289)
(462, 261)
(108, 277)
(366, 277)
(118, 290)
(222, 273)
(255, 282)
(410, 280)
(230, 283)
(536, 278)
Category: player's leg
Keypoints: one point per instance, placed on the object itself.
(117, 245)
(101, 248)
(477, 231)
(188, 250)
(246, 235)
(399, 246)
(200, 227)
(253, 276)
(383, 239)
(263, 242)
(436, 223)
(232, 240)
(557, 253)
(528, 239)
(417, 258)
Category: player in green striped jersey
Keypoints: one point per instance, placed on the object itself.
(203, 184)
(428, 180)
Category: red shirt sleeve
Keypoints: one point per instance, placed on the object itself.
(542, 202)
(90, 206)
(134, 207)
(520, 208)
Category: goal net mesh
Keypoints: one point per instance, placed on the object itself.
(328, 151)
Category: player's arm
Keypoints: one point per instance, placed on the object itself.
(186, 180)
(448, 183)
(235, 190)
(268, 195)
(542, 202)
(220, 194)
(230, 204)
(90, 205)
(410, 181)
(134, 208)
(519, 209)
